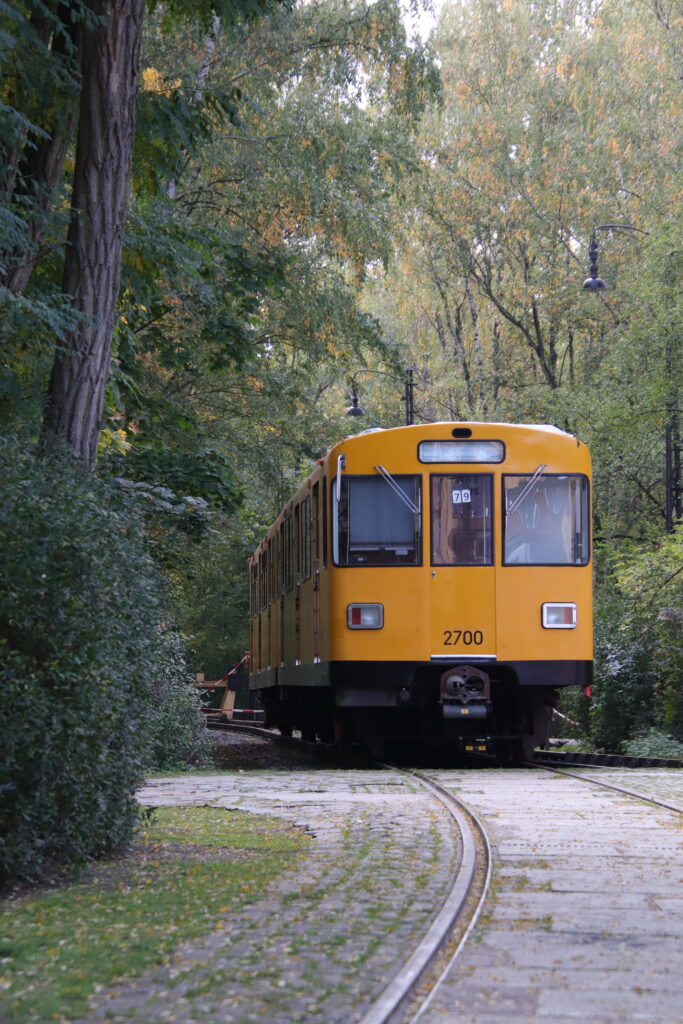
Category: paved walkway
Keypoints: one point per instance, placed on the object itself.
(585, 919)
(322, 943)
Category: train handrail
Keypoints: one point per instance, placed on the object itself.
(341, 463)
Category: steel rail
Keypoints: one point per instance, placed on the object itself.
(606, 785)
(460, 910)
(393, 1003)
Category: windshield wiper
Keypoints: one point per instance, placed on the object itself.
(527, 490)
(386, 475)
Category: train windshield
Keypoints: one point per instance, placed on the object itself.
(377, 523)
(462, 520)
(546, 519)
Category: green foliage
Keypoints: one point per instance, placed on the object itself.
(178, 734)
(173, 125)
(212, 601)
(208, 12)
(81, 604)
(654, 743)
(639, 644)
(205, 474)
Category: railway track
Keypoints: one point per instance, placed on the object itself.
(409, 995)
(450, 950)
(408, 992)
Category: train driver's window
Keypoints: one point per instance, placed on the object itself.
(375, 524)
(546, 519)
(462, 521)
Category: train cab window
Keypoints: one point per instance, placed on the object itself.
(375, 522)
(546, 519)
(462, 519)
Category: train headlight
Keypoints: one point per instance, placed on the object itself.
(365, 616)
(559, 615)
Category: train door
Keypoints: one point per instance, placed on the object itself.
(462, 579)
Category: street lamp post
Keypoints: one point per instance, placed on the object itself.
(673, 508)
(355, 409)
(593, 283)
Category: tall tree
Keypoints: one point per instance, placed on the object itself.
(110, 54)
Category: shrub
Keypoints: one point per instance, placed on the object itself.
(639, 644)
(80, 607)
(653, 743)
(178, 734)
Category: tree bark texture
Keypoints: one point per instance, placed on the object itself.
(99, 201)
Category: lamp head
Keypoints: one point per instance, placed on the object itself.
(593, 283)
(354, 409)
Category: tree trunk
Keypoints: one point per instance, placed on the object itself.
(99, 201)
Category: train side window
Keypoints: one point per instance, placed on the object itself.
(289, 554)
(254, 589)
(315, 524)
(263, 577)
(305, 539)
(324, 522)
(374, 524)
(281, 559)
(462, 519)
(546, 519)
(271, 572)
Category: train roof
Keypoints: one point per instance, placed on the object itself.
(551, 428)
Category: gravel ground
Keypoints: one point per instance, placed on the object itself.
(322, 943)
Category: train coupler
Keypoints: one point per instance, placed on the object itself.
(465, 692)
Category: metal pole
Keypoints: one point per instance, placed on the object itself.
(410, 410)
(672, 452)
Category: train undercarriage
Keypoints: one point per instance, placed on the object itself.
(457, 710)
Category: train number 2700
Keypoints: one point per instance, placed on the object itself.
(468, 637)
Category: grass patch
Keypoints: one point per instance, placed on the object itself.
(191, 866)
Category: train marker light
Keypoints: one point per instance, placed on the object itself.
(365, 616)
(559, 615)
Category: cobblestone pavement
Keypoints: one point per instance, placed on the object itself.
(658, 783)
(323, 942)
(585, 918)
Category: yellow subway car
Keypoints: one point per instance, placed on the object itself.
(428, 584)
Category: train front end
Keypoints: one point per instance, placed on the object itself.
(459, 590)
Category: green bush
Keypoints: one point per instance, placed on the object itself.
(639, 644)
(653, 743)
(178, 734)
(81, 604)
